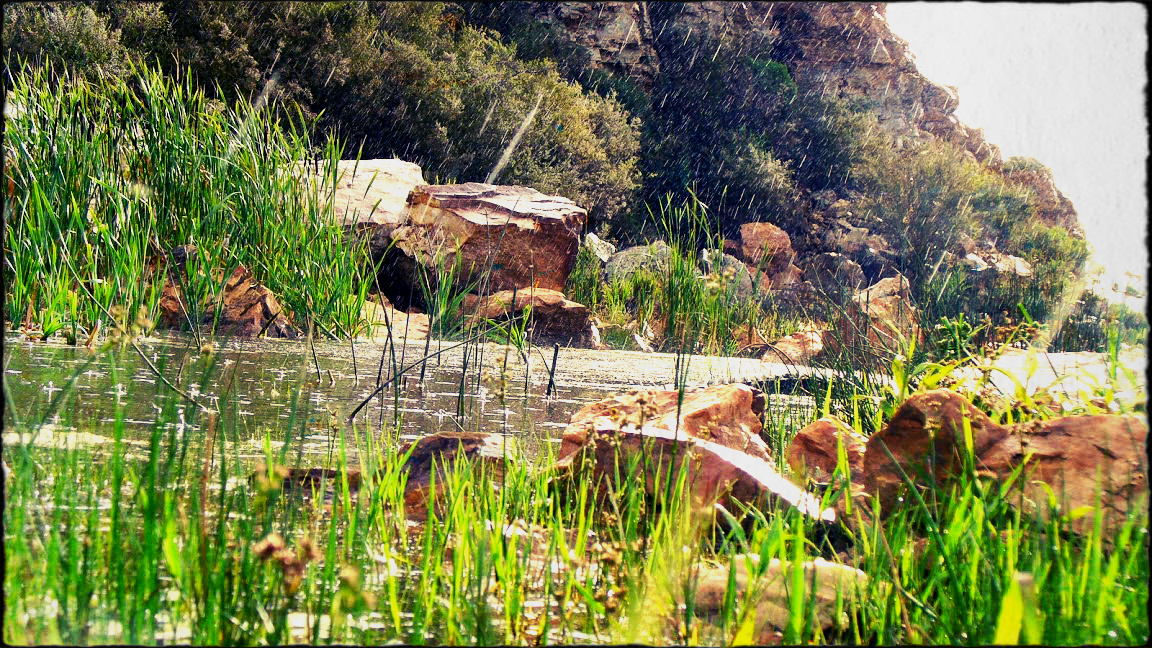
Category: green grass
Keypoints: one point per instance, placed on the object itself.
(131, 543)
(106, 177)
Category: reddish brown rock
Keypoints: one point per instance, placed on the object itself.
(1071, 455)
(498, 237)
(725, 414)
(250, 309)
(606, 436)
(247, 308)
(552, 317)
(798, 348)
(766, 247)
(881, 317)
(814, 451)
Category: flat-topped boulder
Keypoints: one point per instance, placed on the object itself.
(371, 193)
(498, 237)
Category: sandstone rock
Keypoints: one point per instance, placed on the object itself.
(925, 437)
(553, 318)
(813, 452)
(766, 247)
(788, 278)
(835, 589)
(834, 273)
(601, 248)
(798, 348)
(371, 192)
(881, 317)
(718, 436)
(726, 414)
(247, 309)
(500, 237)
(626, 262)
(437, 454)
(250, 309)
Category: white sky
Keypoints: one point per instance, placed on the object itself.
(1062, 83)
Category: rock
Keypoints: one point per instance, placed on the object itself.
(925, 436)
(798, 348)
(250, 309)
(379, 313)
(247, 308)
(882, 315)
(834, 589)
(861, 246)
(834, 273)
(1007, 263)
(1049, 205)
(726, 414)
(1071, 454)
(766, 247)
(627, 262)
(499, 237)
(601, 248)
(718, 434)
(553, 318)
(730, 273)
(437, 454)
(369, 196)
(813, 453)
(371, 192)
(433, 454)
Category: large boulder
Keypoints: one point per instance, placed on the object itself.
(733, 276)
(1076, 457)
(714, 430)
(814, 452)
(881, 316)
(490, 238)
(765, 247)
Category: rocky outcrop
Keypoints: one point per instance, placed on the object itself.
(1049, 205)
(713, 435)
(1077, 457)
(765, 247)
(486, 238)
(244, 308)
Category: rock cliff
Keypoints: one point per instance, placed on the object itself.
(845, 50)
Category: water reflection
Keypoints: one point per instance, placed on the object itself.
(292, 392)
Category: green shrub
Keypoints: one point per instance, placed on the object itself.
(63, 36)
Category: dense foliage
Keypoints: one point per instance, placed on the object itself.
(451, 85)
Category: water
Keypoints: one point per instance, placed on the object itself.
(270, 388)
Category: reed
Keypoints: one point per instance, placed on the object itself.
(108, 176)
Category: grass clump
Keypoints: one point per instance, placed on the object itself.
(107, 175)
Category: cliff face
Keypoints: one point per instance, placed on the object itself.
(845, 50)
